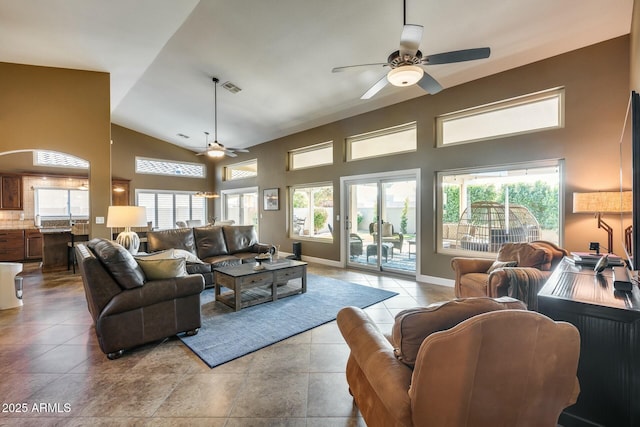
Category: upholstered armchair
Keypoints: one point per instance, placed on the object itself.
(470, 362)
(519, 270)
(388, 234)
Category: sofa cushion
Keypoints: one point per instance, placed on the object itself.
(120, 264)
(526, 255)
(179, 238)
(412, 326)
(239, 238)
(209, 241)
(158, 269)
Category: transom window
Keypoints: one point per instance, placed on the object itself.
(311, 214)
(524, 114)
(169, 167)
(61, 160)
(478, 210)
(241, 170)
(311, 156)
(383, 142)
(164, 208)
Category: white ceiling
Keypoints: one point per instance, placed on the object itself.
(162, 54)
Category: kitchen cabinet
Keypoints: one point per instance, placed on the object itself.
(11, 245)
(10, 192)
(32, 244)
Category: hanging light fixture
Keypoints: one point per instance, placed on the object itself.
(214, 152)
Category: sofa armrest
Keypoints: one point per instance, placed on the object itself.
(153, 292)
(470, 265)
(372, 351)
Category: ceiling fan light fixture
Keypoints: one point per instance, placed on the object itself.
(405, 75)
(216, 154)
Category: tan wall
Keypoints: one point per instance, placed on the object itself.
(635, 47)
(596, 82)
(127, 144)
(61, 110)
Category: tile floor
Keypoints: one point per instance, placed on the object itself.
(52, 370)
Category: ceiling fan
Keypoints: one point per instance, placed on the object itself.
(407, 63)
(215, 149)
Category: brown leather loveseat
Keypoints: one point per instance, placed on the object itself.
(211, 246)
(128, 307)
(470, 362)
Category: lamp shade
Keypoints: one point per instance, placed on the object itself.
(405, 75)
(127, 216)
(603, 202)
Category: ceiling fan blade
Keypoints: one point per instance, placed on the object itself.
(410, 39)
(230, 153)
(375, 88)
(351, 67)
(429, 84)
(238, 150)
(458, 56)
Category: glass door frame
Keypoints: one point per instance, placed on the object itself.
(345, 221)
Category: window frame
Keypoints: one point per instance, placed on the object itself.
(240, 192)
(76, 162)
(439, 211)
(502, 105)
(70, 215)
(291, 213)
(410, 126)
(226, 175)
(192, 195)
(309, 149)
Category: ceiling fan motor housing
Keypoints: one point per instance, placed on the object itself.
(396, 60)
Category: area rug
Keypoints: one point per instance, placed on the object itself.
(226, 335)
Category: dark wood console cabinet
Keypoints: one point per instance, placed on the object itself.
(609, 325)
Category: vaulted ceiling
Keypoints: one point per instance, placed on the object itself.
(162, 54)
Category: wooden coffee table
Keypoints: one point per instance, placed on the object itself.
(249, 287)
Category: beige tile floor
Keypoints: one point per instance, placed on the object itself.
(51, 366)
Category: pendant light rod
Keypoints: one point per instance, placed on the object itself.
(404, 12)
(215, 109)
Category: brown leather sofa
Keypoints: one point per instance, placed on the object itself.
(215, 246)
(519, 270)
(128, 309)
(472, 362)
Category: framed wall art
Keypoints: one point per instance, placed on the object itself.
(271, 200)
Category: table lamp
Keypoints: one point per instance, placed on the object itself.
(603, 202)
(127, 217)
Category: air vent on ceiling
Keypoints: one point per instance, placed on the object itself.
(231, 87)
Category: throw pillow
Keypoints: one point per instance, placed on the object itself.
(501, 264)
(412, 326)
(387, 229)
(157, 269)
(118, 262)
(172, 254)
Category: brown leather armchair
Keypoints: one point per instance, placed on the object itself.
(534, 262)
(503, 367)
(128, 309)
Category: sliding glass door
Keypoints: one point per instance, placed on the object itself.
(380, 226)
